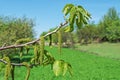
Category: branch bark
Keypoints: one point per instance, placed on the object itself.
(34, 41)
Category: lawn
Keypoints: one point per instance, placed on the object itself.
(85, 67)
(111, 50)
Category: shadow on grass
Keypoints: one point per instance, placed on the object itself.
(24, 58)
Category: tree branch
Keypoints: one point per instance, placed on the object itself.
(18, 64)
(28, 43)
(34, 41)
(15, 64)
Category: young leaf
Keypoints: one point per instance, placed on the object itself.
(49, 57)
(76, 14)
(32, 60)
(67, 9)
(57, 67)
(61, 67)
(77, 23)
(72, 15)
(67, 29)
(65, 67)
(70, 69)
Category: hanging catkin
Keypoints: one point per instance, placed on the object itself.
(8, 68)
(59, 41)
(36, 54)
(12, 71)
(42, 43)
(28, 70)
(21, 52)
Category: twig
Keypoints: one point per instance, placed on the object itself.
(18, 64)
(4, 45)
(15, 64)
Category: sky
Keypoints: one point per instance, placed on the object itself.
(48, 14)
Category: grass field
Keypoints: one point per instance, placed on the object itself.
(85, 67)
(111, 50)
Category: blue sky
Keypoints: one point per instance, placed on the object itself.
(48, 13)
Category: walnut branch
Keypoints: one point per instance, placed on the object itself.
(15, 64)
(34, 41)
(18, 64)
(28, 43)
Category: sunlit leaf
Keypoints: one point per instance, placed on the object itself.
(65, 67)
(77, 15)
(67, 9)
(79, 24)
(70, 69)
(60, 67)
(57, 68)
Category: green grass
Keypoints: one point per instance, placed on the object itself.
(85, 67)
(111, 50)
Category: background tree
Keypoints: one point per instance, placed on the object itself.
(12, 29)
(107, 24)
(87, 34)
(113, 32)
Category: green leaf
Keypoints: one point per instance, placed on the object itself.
(67, 8)
(65, 68)
(21, 54)
(57, 67)
(79, 24)
(78, 17)
(72, 15)
(49, 58)
(32, 60)
(69, 28)
(84, 12)
(77, 14)
(61, 67)
(82, 9)
(70, 69)
(85, 21)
